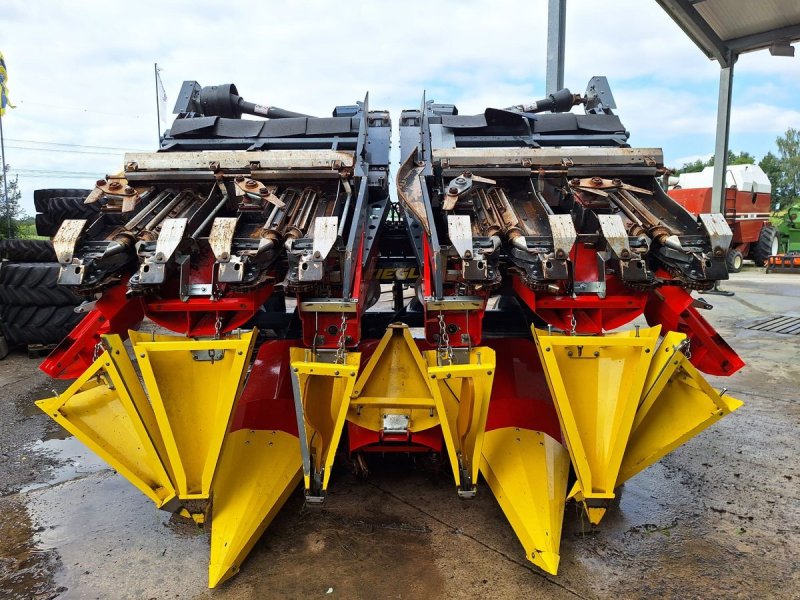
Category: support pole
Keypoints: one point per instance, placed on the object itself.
(556, 31)
(158, 108)
(5, 178)
(723, 131)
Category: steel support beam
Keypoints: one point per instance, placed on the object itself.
(763, 39)
(556, 30)
(723, 131)
(698, 30)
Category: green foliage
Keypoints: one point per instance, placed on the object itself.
(783, 169)
(10, 208)
(734, 158)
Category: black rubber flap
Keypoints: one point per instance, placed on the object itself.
(600, 123)
(238, 128)
(463, 121)
(197, 126)
(328, 126)
(278, 128)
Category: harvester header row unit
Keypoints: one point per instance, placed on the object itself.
(528, 236)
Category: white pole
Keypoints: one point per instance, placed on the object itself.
(5, 177)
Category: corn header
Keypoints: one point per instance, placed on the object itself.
(551, 348)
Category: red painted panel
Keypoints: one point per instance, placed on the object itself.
(267, 401)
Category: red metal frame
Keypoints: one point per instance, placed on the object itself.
(113, 313)
(593, 314)
(520, 396)
(671, 307)
(326, 325)
(267, 402)
(199, 315)
(463, 322)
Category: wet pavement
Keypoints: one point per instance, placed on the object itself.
(717, 518)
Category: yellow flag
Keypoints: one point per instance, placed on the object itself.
(4, 101)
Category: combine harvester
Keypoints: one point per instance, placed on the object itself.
(544, 215)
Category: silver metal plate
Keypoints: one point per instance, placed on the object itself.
(221, 237)
(66, 238)
(169, 238)
(535, 157)
(323, 305)
(325, 233)
(459, 228)
(210, 355)
(563, 232)
(454, 303)
(614, 231)
(309, 269)
(231, 271)
(271, 159)
(718, 230)
(394, 423)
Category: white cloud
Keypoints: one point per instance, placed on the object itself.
(82, 73)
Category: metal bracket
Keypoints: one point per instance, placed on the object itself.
(614, 232)
(210, 355)
(454, 303)
(153, 269)
(394, 423)
(64, 242)
(562, 230)
(66, 239)
(326, 230)
(459, 228)
(719, 232)
(230, 269)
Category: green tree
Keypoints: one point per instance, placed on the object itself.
(734, 158)
(771, 165)
(9, 207)
(785, 175)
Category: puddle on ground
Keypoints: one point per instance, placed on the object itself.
(100, 525)
(26, 569)
(73, 459)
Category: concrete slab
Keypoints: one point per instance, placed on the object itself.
(717, 518)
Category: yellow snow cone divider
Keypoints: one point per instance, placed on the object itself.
(107, 410)
(677, 404)
(401, 391)
(527, 472)
(322, 395)
(461, 393)
(193, 385)
(257, 472)
(596, 383)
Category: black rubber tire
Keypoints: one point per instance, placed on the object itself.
(56, 210)
(36, 251)
(42, 198)
(734, 260)
(24, 325)
(764, 247)
(33, 284)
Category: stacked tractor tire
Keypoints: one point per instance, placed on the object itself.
(34, 309)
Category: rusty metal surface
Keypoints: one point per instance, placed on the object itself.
(216, 160)
(409, 189)
(528, 157)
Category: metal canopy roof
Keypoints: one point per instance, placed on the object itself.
(723, 29)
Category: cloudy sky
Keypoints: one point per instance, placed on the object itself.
(81, 73)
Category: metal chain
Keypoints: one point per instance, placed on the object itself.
(341, 349)
(687, 349)
(444, 350)
(98, 350)
(573, 324)
(217, 327)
